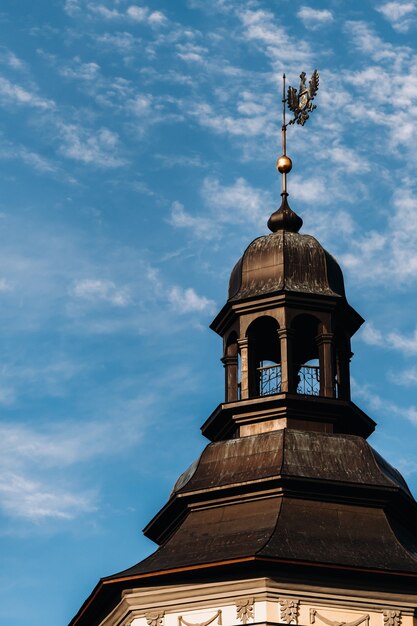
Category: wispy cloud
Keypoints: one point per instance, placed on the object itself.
(378, 403)
(314, 18)
(188, 301)
(401, 15)
(35, 485)
(94, 147)
(134, 13)
(95, 290)
(393, 340)
(12, 94)
(237, 203)
(404, 378)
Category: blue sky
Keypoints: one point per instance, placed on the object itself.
(137, 152)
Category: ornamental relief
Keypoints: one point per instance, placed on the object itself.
(155, 618)
(330, 622)
(289, 608)
(217, 616)
(244, 610)
(392, 617)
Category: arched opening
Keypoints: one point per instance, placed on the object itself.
(306, 361)
(264, 357)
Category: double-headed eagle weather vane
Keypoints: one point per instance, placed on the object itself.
(301, 105)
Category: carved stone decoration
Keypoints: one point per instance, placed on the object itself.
(155, 618)
(331, 622)
(289, 610)
(217, 616)
(392, 617)
(244, 609)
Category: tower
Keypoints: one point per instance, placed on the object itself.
(289, 516)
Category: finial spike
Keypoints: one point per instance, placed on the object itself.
(301, 105)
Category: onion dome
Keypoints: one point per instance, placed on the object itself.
(285, 261)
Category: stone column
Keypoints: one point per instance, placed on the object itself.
(325, 346)
(244, 367)
(287, 366)
(231, 377)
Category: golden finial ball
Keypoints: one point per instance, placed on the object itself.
(284, 164)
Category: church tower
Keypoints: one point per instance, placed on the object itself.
(289, 516)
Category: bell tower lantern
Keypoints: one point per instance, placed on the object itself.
(286, 327)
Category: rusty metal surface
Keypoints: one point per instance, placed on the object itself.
(217, 533)
(288, 529)
(355, 536)
(307, 454)
(285, 261)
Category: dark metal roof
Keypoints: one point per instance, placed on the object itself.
(285, 261)
(296, 453)
(290, 499)
(288, 494)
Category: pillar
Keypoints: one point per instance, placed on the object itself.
(325, 346)
(287, 366)
(244, 367)
(230, 363)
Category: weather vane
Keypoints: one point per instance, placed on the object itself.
(301, 104)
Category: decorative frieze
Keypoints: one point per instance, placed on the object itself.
(155, 618)
(217, 616)
(244, 610)
(330, 622)
(392, 617)
(289, 610)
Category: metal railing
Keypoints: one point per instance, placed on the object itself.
(308, 380)
(269, 380)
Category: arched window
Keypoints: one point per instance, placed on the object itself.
(264, 363)
(305, 353)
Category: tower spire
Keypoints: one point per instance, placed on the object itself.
(301, 105)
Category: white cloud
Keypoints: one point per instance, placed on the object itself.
(11, 93)
(393, 340)
(191, 52)
(30, 158)
(188, 301)
(138, 14)
(95, 290)
(314, 18)
(81, 71)
(371, 335)
(404, 378)
(377, 403)
(202, 227)
(9, 58)
(260, 27)
(103, 11)
(238, 202)
(399, 14)
(34, 485)
(97, 149)
(122, 41)
(29, 499)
